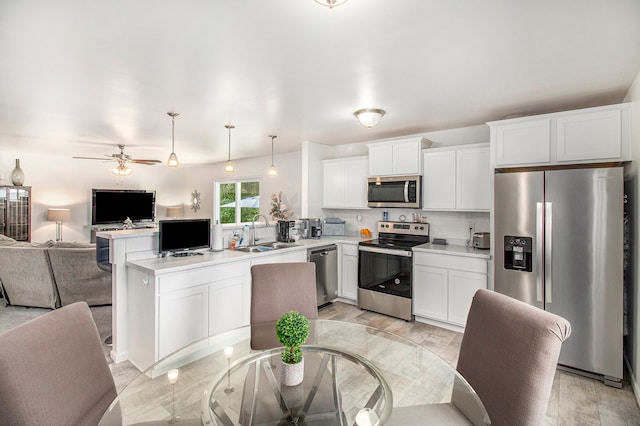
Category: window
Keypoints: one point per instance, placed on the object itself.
(237, 201)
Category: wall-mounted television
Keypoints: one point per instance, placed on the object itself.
(114, 206)
(179, 236)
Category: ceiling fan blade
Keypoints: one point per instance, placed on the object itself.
(93, 158)
(147, 162)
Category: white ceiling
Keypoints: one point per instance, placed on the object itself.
(78, 77)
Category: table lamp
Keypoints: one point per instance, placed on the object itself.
(174, 212)
(58, 216)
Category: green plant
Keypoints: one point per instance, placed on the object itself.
(292, 330)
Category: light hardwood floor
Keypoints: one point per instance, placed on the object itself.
(575, 400)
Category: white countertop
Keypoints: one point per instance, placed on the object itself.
(171, 264)
(454, 250)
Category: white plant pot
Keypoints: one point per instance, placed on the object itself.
(291, 374)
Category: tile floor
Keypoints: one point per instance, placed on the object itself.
(575, 400)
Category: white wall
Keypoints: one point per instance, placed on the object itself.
(64, 182)
(631, 180)
(288, 166)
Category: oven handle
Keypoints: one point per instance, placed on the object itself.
(386, 251)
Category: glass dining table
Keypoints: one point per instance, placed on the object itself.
(353, 375)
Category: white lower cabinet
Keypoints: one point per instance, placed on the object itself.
(182, 318)
(169, 311)
(444, 285)
(348, 287)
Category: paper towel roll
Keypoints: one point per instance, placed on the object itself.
(217, 238)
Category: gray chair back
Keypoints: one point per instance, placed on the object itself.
(509, 354)
(276, 289)
(54, 370)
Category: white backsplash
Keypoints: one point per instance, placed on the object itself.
(452, 226)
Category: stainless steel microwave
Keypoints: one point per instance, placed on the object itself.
(394, 191)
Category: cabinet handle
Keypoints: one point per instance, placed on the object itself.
(145, 280)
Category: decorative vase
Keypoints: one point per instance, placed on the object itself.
(17, 175)
(291, 374)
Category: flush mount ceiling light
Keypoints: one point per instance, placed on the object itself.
(369, 117)
(272, 169)
(173, 158)
(228, 166)
(330, 3)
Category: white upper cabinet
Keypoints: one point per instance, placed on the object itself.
(397, 157)
(527, 142)
(591, 135)
(456, 178)
(344, 183)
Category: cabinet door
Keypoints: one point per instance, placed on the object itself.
(183, 318)
(462, 286)
(473, 179)
(406, 158)
(380, 163)
(228, 299)
(430, 292)
(355, 171)
(523, 143)
(591, 136)
(333, 183)
(439, 180)
(349, 277)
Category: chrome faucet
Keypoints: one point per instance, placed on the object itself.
(252, 241)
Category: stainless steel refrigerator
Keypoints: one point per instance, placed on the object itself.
(559, 246)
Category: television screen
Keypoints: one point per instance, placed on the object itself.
(110, 206)
(184, 234)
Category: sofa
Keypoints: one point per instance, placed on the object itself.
(51, 275)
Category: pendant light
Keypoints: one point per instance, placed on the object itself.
(228, 166)
(173, 158)
(272, 169)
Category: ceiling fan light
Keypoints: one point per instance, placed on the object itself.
(228, 167)
(173, 160)
(369, 117)
(272, 171)
(330, 3)
(121, 170)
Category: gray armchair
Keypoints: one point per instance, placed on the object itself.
(508, 355)
(54, 370)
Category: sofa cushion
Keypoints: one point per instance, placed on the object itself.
(77, 275)
(25, 274)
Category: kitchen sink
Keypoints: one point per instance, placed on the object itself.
(274, 245)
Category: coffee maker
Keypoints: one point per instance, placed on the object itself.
(284, 228)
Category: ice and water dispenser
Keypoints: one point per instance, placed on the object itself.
(518, 253)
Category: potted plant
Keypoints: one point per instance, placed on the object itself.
(292, 330)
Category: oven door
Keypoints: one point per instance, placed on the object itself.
(385, 271)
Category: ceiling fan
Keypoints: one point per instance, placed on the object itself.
(122, 159)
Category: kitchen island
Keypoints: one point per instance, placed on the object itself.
(158, 299)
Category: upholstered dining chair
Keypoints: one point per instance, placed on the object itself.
(53, 370)
(509, 354)
(276, 289)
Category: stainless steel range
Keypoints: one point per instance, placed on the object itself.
(385, 266)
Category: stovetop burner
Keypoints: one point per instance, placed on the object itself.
(399, 235)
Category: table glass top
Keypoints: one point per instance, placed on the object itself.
(350, 369)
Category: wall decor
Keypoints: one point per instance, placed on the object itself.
(195, 200)
(17, 175)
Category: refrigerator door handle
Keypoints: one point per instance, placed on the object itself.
(539, 243)
(548, 223)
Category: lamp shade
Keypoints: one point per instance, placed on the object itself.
(174, 211)
(58, 215)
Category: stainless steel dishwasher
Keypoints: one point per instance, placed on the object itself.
(326, 260)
